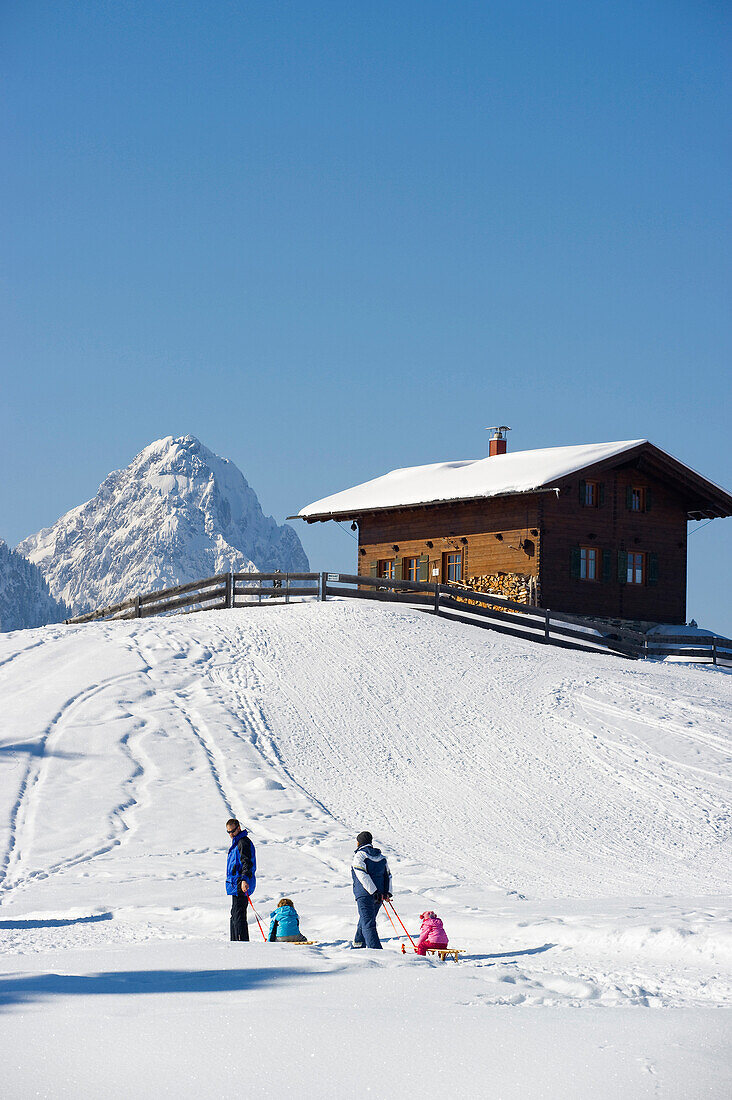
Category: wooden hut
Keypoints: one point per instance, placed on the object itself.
(598, 529)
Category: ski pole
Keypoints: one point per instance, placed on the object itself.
(388, 902)
(256, 914)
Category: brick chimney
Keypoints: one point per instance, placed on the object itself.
(498, 442)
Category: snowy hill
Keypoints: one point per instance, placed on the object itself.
(24, 596)
(177, 513)
(566, 814)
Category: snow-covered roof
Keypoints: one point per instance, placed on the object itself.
(470, 479)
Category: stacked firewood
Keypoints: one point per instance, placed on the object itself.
(512, 586)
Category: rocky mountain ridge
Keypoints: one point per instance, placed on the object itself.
(177, 513)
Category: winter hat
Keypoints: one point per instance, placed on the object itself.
(429, 913)
(364, 838)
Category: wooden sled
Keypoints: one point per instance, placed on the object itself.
(441, 952)
(295, 943)
(445, 952)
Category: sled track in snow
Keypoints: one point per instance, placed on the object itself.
(23, 812)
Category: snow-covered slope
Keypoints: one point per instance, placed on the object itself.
(177, 513)
(24, 596)
(566, 814)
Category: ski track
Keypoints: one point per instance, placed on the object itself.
(650, 771)
(22, 652)
(249, 726)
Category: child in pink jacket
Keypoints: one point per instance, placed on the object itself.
(432, 934)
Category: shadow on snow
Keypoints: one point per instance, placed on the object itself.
(514, 954)
(113, 983)
(55, 922)
(35, 748)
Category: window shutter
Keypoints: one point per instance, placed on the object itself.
(601, 494)
(648, 500)
(622, 566)
(582, 491)
(424, 568)
(398, 569)
(653, 568)
(607, 565)
(574, 561)
(374, 569)
(629, 498)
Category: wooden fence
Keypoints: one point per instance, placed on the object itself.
(465, 605)
(220, 591)
(708, 648)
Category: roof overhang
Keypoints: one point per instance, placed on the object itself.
(702, 498)
(357, 513)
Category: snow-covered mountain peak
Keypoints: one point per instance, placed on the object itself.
(177, 513)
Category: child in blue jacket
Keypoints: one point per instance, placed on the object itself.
(284, 926)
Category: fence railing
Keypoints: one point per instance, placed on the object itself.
(699, 648)
(220, 591)
(459, 604)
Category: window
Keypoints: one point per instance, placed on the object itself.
(411, 569)
(636, 568)
(638, 498)
(452, 566)
(592, 494)
(386, 568)
(588, 563)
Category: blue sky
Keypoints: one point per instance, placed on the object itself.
(331, 239)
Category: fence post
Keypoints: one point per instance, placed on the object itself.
(323, 587)
(714, 651)
(287, 587)
(546, 623)
(138, 608)
(229, 589)
(437, 599)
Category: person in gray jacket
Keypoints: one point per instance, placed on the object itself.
(371, 885)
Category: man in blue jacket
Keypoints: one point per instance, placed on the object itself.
(241, 877)
(371, 885)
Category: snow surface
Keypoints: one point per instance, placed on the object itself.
(177, 513)
(514, 472)
(566, 814)
(25, 600)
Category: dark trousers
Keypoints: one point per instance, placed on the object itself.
(238, 926)
(366, 934)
